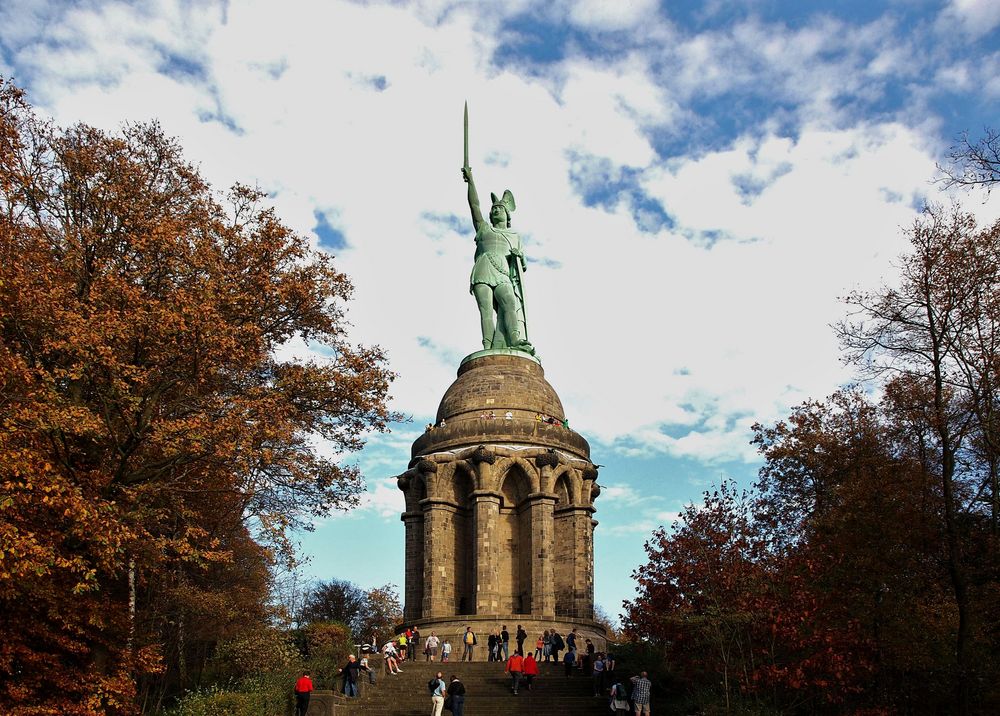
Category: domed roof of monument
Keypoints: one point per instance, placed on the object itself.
(501, 396)
(499, 383)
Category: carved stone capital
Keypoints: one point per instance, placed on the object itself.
(589, 472)
(595, 492)
(550, 459)
(481, 454)
(427, 466)
(403, 482)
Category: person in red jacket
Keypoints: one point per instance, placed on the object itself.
(530, 669)
(515, 665)
(303, 687)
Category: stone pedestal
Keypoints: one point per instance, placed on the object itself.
(499, 508)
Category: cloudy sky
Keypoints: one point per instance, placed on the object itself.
(696, 184)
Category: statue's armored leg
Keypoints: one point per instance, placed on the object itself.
(507, 314)
(484, 298)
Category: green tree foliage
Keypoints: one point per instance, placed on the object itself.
(382, 611)
(336, 600)
(367, 613)
(327, 645)
(154, 447)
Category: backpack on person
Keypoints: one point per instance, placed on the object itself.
(619, 698)
(432, 685)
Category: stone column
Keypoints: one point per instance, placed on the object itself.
(439, 547)
(439, 557)
(413, 590)
(485, 516)
(413, 525)
(594, 493)
(581, 605)
(583, 597)
(542, 504)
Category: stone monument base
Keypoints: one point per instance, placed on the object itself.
(452, 628)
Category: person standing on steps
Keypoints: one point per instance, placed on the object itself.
(619, 699)
(569, 661)
(557, 645)
(491, 647)
(445, 651)
(438, 692)
(505, 638)
(350, 670)
(521, 636)
(431, 647)
(530, 669)
(456, 692)
(640, 693)
(588, 658)
(303, 688)
(515, 667)
(469, 640)
(597, 674)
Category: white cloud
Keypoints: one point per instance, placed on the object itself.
(975, 17)
(668, 342)
(643, 523)
(619, 15)
(385, 499)
(624, 495)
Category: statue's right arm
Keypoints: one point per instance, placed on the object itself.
(477, 214)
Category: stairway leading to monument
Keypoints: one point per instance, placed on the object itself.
(488, 693)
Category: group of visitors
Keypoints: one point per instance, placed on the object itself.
(550, 420)
(350, 676)
(507, 416)
(547, 645)
(521, 666)
(406, 645)
(498, 643)
(620, 701)
(450, 696)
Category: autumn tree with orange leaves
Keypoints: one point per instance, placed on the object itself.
(155, 450)
(861, 573)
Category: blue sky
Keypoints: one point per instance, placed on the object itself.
(697, 183)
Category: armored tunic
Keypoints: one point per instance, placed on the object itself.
(493, 245)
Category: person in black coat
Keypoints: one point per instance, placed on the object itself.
(557, 645)
(456, 694)
(491, 646)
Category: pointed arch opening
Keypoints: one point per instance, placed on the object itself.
(515, 542)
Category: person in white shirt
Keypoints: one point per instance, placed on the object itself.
(431, 646)
(389, 657)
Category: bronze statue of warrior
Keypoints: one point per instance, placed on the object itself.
(497, 274)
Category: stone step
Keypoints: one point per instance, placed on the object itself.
(488, 692)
